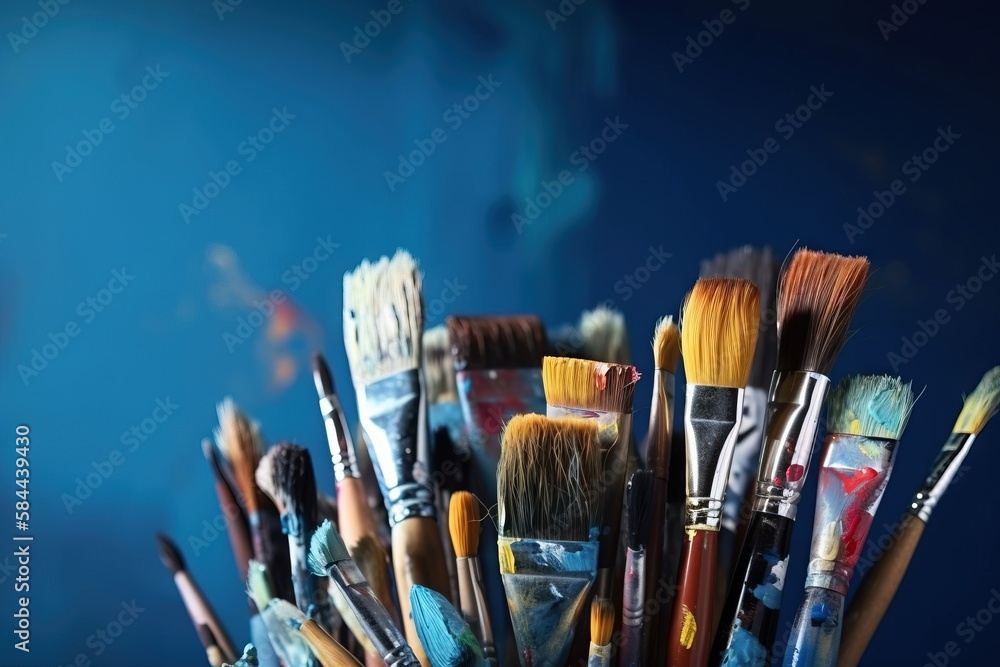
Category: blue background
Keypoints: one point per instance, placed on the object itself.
(324, 176)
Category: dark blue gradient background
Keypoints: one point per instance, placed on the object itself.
(323, 175)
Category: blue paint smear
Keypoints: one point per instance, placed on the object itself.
(744, 650)
(767, 592)
(819, 614)
(446, 637)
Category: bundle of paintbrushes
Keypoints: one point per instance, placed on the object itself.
(474, 438)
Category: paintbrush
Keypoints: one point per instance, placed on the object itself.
(329, 556)
(817, 295)
(294, 486)
(880, 584)
(446, 636)
(236, 521)
(718, 337)
(604, 336)
(547, 511)
(866, 415)
(218, 647)
(383, 328)
(638, 514)
(663, 555)
(239, 442)
(602, 623)
(464, 524)
(324, 647)
(249, 658)
(759, 266)
(288, 645)
(373, 561)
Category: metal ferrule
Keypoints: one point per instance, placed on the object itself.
(394, 415)
(711, 424)
(634, 595)
(345, 463)
(947, 465)
(372, 616)
(832, 575)
(796, 399)
(661, 420)
(600, 656)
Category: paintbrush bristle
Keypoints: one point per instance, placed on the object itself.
(264, 476)
(980, 405)
(478, 343)
(548, 478)
(170, 554)
(259, 584)
(639, 513)
(239, 441)
(322, 377)
(249, 658)
(602, 621)
(873, 406)
(446, 636)
(439, 366)
(719, 331)
(604, 335)
(666, 344)
(817, 296)
(326, 548)
(463, 522)
(761, 267)
(589, 385)
(383, 318)
(373, 561)
(295, 482)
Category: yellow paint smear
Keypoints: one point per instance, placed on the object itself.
(856, 427)
(506, 559)
(689, 628)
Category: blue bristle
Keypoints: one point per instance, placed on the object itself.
(446, 637)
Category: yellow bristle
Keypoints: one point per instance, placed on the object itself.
(463, 522)
(666, 344)
(602, 621)
(981, 404)
(239, 443)
(719, 331)
(591, 385)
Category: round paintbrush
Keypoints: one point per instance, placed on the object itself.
(464, 524)
(602, 623)
(444, 634)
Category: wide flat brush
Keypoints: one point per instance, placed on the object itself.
(817, 296)
(663, 553)
(602, 623)
(759, 266)
(866, 415)
(383, 329)
(635, 611)
(218, 647)
(328, 555)
(445, 635)
(718, 338)
(547, 512)
(881, 583)
(464, 524)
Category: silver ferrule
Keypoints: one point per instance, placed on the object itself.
(711, 424)
(661, 420)
(948, 463)
(345, 463)
(830, 574)
(793, 408)
(634, 595)
(394, 415)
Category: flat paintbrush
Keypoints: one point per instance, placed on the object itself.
(383, 330)
(880, 584)
(718, 337)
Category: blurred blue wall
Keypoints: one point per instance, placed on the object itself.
(211, 76)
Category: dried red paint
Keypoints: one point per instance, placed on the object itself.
(857, 479)
(794, 472)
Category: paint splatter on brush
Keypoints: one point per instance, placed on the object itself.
(819, 614)
(446, 637)
(744, 650)
(689, 629)
(769, 590)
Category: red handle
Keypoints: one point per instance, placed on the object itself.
(690, 638)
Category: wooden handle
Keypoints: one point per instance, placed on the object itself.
(417, 558)
(691, 626)
(876, 592)
(327, 650)
(355, 518)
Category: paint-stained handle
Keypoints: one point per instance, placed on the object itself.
(417, 558)
(815, 636)
(691, 625)
(876, 592)
(749, 619)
